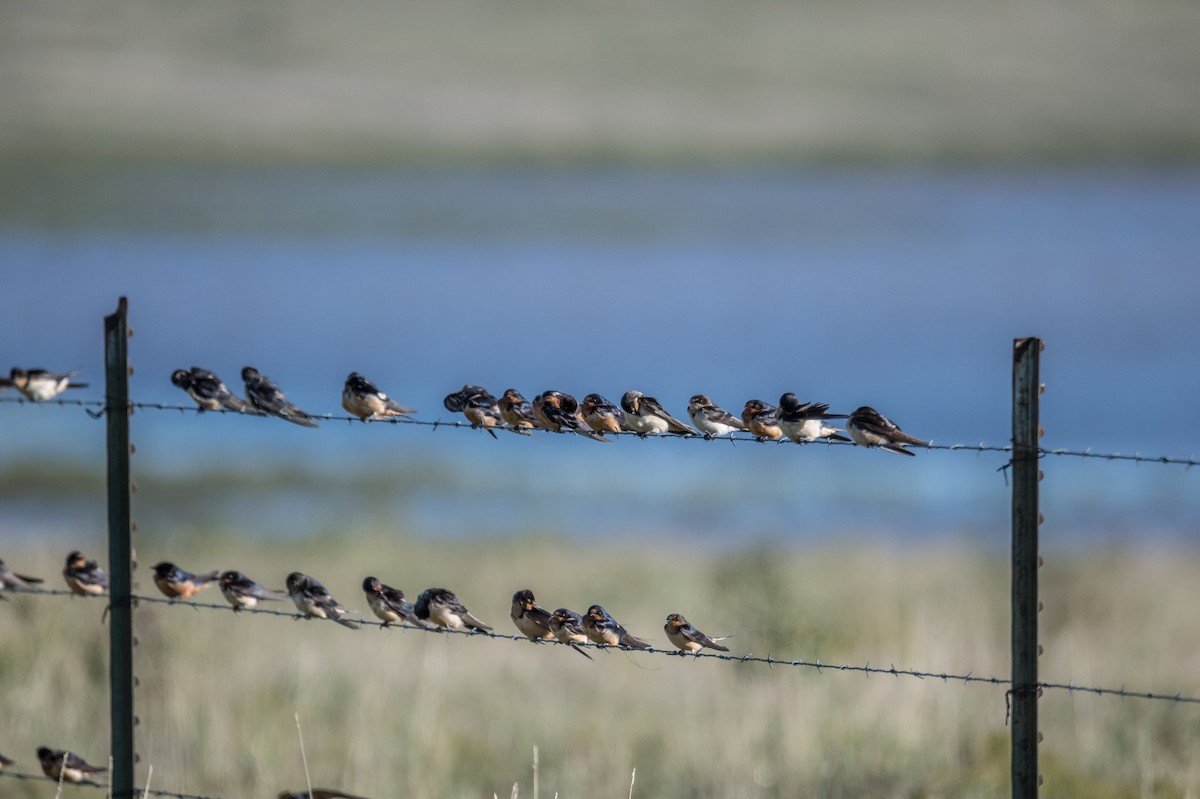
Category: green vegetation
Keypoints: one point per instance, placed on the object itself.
(678, 81)
(403, 713)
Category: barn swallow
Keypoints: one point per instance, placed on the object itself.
(5, 761)
(806, 421)
(242, 592)
(389, 605)
(5, 382)
(760, 420)
(712, 420)
(10, 579)
(601, 415)
(69, 766)
(531, 619)
(266, 396)
(312, 599)
(442, 607)
(208, 391)
(363, 399)
(84, 576)
(39, 385)
(175, 583)
(317, 793)
(559, 411)
(477, 404)
(645, 416)
(687, 637)
(516, 412)
(869, 428)
(604, 630)
(567, 627)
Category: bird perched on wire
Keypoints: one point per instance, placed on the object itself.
(760, 419)
(6, 761)
(39, 385)
(442, 608)
(602, 415)
(317, 793)
(478, 405)
(646, 416)
(208, 391)
(806, 421)
(517, 412)
(69, 766)
(389, 604)
(242, 592)
(84, 576)
(869, 428)
(312, 599)
(266, 397)
(10, 579)
(175, 583)
(711, 419)
(567, 627)
(687, 637)
(559, 411)
(531, 619)
(362, 398)
(603, 629)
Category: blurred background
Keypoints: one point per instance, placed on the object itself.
(858, 202)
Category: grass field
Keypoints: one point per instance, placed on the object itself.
(402, 713)
(672, 81)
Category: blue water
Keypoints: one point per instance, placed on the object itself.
(902, 290)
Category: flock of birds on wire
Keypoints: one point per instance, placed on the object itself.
(557, 411)
(434, 608)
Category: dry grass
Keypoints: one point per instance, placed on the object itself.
(395, 713)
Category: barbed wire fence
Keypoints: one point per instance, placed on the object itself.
(1023, 687)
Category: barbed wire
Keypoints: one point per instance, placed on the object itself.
(22, 776)
(981, 447)
(769, 660)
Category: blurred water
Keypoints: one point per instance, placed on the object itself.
(902, 290)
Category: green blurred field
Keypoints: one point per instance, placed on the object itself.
(672, 81)
(402, 713)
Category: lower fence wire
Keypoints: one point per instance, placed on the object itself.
(769, 660)
(17, 775)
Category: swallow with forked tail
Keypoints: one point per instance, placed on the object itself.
(531, 619)
(389, 604)
(567, 627)
(67, 766)
(760, 420)
(363, 398)
(646, 416)
(208, 391)
(603, 629)
(441, 607)
(242, 592)
(312, 599)
(266, 397)
(84, 576)
(869, 428)
(478, 405)
(39, 385)
(805, 421)
(517, 412)
(711, 419)
(687, 637)
(559, 411)
(175, 583)
(602, 415)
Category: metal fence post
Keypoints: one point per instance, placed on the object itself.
(120, 551)
(1025, 562)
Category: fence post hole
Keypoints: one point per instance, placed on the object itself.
(1025, 519)
(120, 551)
